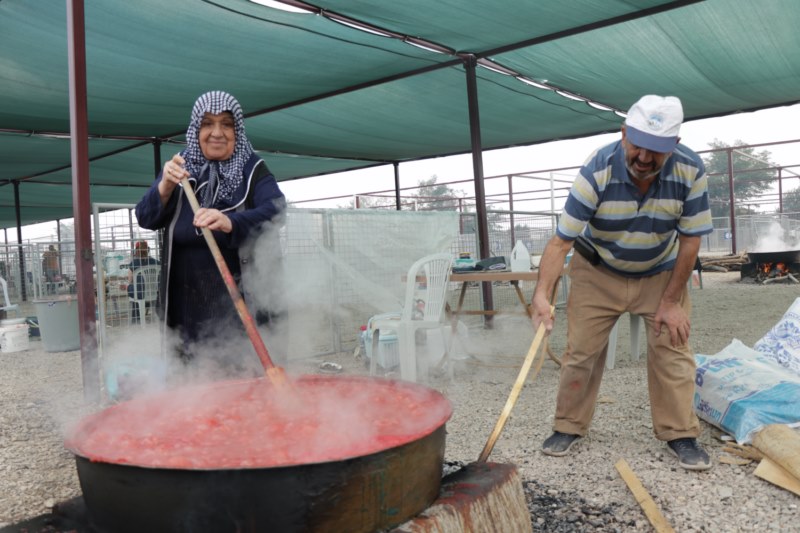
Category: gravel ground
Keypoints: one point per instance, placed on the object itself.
(40, 392)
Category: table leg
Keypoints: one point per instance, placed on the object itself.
(525, 305)
(453, 326)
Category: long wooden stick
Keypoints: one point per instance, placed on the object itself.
(274, 373)
(643, 497)
(512, 398)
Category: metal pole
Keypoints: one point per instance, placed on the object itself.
(511, 209)
(732, 200)
(60, 249)
(470, 64)
(156, 158)
(780, 190)
(81, 201)
(22, 274)
(396, 185)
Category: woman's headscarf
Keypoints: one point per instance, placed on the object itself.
(230, 171)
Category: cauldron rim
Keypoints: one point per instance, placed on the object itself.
(71, 444)
(774, 255)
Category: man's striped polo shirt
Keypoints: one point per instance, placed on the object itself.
(637, 235)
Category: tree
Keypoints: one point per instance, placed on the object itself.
(369, 202)
(791, 201)
(750, 178)
(432, 196)
(429, 196)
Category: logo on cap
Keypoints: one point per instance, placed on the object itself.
(656, 122)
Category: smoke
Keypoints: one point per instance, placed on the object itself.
(304, 284)
(776, 239)
(251, 423)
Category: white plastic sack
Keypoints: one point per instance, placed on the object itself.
(782, 343)
(740, 390)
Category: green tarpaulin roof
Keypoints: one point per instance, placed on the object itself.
(322, 96)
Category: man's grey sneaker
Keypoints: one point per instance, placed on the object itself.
(690, 454)
(558, 444)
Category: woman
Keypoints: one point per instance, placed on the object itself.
(237, 194)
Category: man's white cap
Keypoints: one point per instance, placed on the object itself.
(654, 123)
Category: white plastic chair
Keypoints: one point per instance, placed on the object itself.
(8, 306)
(426, 295)
(636, 322)
(149, 275)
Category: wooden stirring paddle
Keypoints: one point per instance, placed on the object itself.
(276, 374)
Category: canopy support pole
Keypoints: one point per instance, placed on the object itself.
(23, 295)
(397, 185)
(81, 201)
(470, 64)
(156, 158)
(732, 199)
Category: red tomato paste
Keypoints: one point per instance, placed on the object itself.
(254, 424)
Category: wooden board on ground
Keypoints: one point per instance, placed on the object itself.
(780, 443)
(649, 507)
(775, 474)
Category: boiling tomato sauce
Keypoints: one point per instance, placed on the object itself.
(254, 424)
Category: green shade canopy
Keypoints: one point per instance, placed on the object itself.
(323, 97)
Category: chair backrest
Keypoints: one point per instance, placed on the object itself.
(145, 283)
(5, 293)
(426, 288)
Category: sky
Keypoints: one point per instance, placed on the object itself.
(769, 125)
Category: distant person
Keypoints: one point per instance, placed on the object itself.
(141, 257)
(238, 196)
(50, 266)
(635, 215)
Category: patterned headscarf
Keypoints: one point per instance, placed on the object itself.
(230, 171)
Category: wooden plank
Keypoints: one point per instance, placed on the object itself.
(773, 472)
(647, 504)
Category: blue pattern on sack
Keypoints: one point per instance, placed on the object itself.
(782, 343)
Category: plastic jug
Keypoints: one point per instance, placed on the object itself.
(520, 258)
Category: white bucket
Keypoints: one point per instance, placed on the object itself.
(14, 335)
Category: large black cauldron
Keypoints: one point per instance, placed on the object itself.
(354, 494)
(783, 256)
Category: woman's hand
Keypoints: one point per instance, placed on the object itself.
(212, 219)
(171, 176)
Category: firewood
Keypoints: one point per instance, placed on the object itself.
(746, 452)
(731, 460)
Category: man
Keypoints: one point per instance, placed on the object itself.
(635, 213)
(50, 264)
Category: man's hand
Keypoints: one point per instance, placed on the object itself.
(541, 313)
(672, 316)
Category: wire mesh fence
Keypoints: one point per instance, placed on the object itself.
(125, 301)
